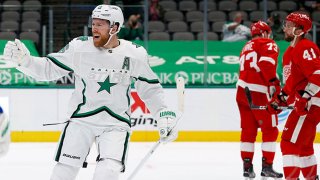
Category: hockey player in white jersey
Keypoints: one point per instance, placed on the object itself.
(99, 111)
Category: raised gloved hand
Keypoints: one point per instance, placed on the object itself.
(300, 105)
(16, 52)
(167, 121)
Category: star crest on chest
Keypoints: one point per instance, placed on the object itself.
(106, 85)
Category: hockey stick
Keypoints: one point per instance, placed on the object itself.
(180, 91)
(252, 106)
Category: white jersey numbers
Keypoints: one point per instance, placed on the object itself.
(309, 54)
(272, 46)
(250, 56)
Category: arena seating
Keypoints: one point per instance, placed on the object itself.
(183, 19)
(188, 15)
(20, 19)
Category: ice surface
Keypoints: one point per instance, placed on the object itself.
(173, 161)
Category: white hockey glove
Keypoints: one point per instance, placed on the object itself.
(4, 133)
(16, 52)
(167, 121)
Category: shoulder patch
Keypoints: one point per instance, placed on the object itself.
(137, 45)
(83, 38)
(64, 49)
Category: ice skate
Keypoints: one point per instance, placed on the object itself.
(248, 172)
(268, 172)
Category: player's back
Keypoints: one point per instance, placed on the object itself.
(253, 53)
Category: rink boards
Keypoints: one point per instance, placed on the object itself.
(210, 115)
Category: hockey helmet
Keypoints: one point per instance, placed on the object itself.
(109, 12)
(259, 27)
(300, 19)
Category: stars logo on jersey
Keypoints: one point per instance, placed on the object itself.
(106, 85)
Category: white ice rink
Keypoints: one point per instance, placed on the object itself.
(174, 161)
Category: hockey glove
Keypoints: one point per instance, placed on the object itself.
(274, 91)
(276, 101)
(167, 120)
(300, 105)
(274, 88)
(16, 52)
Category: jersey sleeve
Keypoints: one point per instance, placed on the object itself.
(148, 86)
(268, 61)
(51, 67)
(308, 61)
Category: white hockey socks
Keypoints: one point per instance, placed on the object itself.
(107, 169)
(64, 172)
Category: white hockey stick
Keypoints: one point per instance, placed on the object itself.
(180, 91)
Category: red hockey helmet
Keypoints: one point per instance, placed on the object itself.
(259, 27)
(300, 19)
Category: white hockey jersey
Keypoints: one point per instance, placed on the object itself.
(102, 80)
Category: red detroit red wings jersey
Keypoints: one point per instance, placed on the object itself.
(301, 64)
(258, 63)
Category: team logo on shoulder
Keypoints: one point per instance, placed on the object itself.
(83, 38)
(286, 71)
(64, 49)
(137, 45)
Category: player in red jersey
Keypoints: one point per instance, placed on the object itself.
(301, 70)
(258, 62)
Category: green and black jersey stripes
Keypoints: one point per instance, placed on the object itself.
(150, 81)
(123, 159)
(101, 109)
(59, 64)
(61, 142)
(128, 95)
(84, 99)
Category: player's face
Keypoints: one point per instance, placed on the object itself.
(100, 32)
(288, 30)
